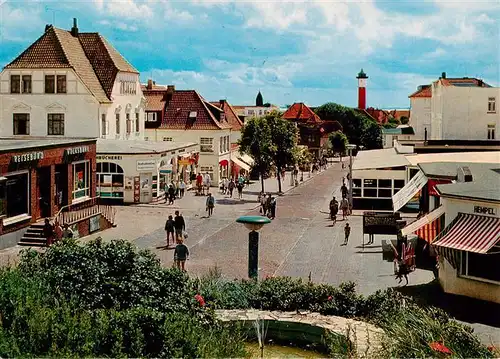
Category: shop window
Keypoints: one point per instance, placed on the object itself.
(384, 192)
(21, 123)
(81, 179)
(370, 183)
(370, 192)
(14, 195)
(356, 192)
(480, 266)
(137, 122)
(385, 183)
(356, 182)
(26, 84)
(55, 124)
(50, 86)
(398, 184)
(61, 83)
(110, 180)
(206, 144)
(15, 84)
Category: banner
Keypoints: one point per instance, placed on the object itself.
(408, 191)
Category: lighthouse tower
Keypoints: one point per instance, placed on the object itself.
(362, 89)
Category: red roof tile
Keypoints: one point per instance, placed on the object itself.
(424, 92)
(155, 101)
(182, 104)
(473, 82)
(301, 113)
(229, 114)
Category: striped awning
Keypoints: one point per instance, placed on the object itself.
(471, 233)
(425, 224)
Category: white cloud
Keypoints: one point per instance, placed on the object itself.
(173, 14)
(128, 9)
(13, 22)
(120, 25)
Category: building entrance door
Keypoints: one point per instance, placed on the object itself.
(146, 187)
(43, 179)
(61, 183)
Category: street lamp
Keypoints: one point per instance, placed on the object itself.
(253, 223)
(350, 148)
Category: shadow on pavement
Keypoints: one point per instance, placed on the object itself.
(369, 252)
(462, 308)
(226, 201)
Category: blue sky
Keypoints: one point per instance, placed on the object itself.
(293, 51)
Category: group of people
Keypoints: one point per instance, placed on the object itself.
(175, 227)
(203, 183)
(227, 186)
(174, 190)
(54, 232)
(267, 205)
(346, 210)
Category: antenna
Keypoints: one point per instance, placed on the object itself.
(53, 14)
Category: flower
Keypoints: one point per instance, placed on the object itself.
(330, 298)
(200, 300)
(440, 347)
(492, 348)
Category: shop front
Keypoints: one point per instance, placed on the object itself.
(136, 172)
(38, 177)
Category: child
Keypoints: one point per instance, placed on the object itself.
(347, 232)
(181, 254)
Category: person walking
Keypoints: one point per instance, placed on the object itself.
(334, 210)
(273, 208)
(210, 204)
(208, 182)
(231, 187)
(179, 225)
(48, 232)
(199, 184)
(344, 206)
(67, 232)
(240, 189)
(262, 201)
(170, 229)
(182, 188)
(347, 232)
(58, 231)
(171, 194)
(344, 189)
(181, 254)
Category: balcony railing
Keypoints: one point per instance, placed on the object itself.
(77, 212)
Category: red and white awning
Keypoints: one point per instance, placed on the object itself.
(471, 233)
(422, 222)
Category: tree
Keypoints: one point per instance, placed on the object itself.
(256, 141)
(284, 142)
(371, 136)
(339, 143)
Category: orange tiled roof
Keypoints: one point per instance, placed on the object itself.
(182, 104)
(424, 92)
(302, 113)
(473, 82)
(154, 101)
(229, 114)
(397, 114)
(95, 61)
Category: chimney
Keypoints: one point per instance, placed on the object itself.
(222, 102)
(154, 82)
(47, 27)
(170, 89)
(150, 84)
(74, 29)
(443, 75)
(169, 94)
(464, 174)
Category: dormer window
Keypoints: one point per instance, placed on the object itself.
(222, 116)
(192, 115)
(128, 84)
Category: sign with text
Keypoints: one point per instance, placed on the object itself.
(76, 150)
(28, 157)
(108, 158)
(406, 193)
(485, 210)
(146, 166)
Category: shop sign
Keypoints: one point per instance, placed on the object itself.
(146, 166)
(485, 210)
(28, 157)
(184, 162)
(109, 158)
(137, 189)
(76, 150)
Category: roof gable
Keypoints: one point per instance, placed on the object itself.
(301, 112)
(45, 52)
(183, 103)
(230, 114)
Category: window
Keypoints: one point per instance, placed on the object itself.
(209, 170)
(167, 139)
(385, 183)
(14, 195)
(206, 144)
(370, 183)
(128, 87)
(117, 123)
(492, 104)
(221, 144)
(128, 123)
(26, 84)
(110, 180)
(15, 84)
(480, 266)
(192, 115)
(104, 125)
(491, 132)
(81, 179)
(21, 124)
(61, 83)
(50, 84)
(151, 117)
(55, 124)
(137, 123)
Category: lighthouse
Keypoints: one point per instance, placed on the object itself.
(362, 89)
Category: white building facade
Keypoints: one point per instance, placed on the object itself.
(455, 109)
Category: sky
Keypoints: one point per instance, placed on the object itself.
(292, 51)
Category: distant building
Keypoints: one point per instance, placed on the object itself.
(455, 109)
(260, 109)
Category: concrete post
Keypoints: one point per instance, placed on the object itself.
(253, 255)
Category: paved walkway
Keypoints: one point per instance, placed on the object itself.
(365, 337)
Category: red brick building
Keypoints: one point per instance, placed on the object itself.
(40, 176)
